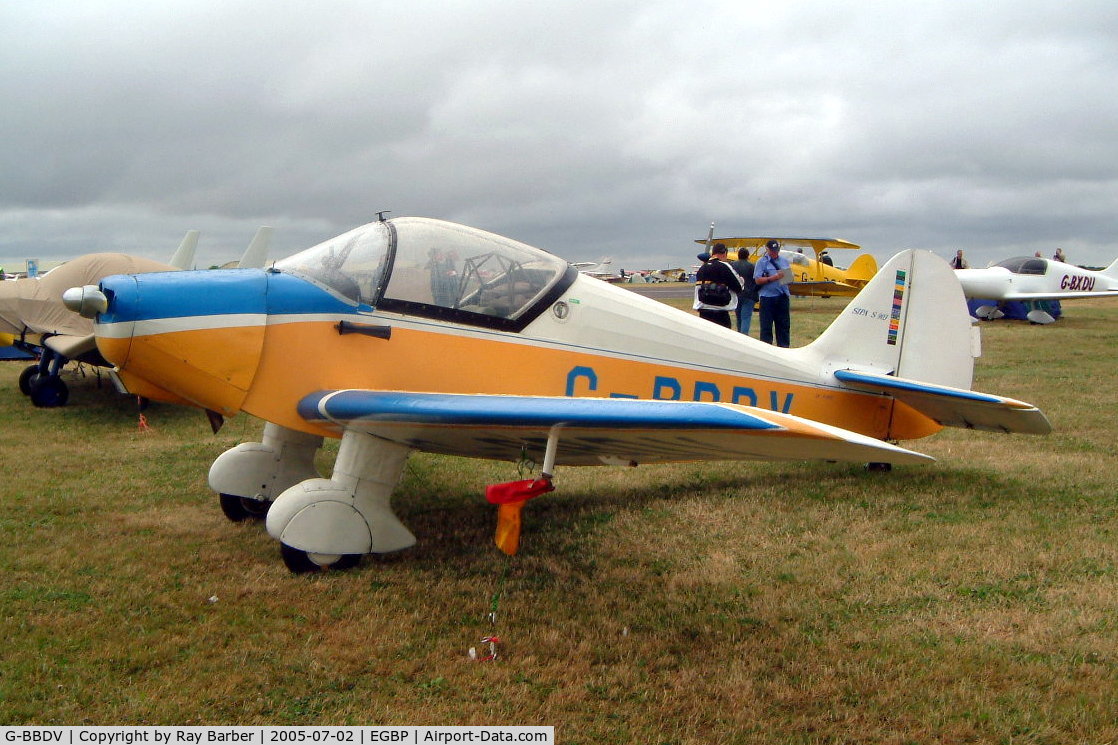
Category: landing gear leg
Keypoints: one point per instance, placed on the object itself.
(43, 382)
(249, 476)
(329, 523)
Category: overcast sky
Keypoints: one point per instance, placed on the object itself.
(619, 128)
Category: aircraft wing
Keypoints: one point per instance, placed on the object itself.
(71, 346)
(592, 431)
(954, 407)
(1056, 295)
(825, 284)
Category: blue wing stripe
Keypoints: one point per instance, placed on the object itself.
(885, 381)
(523, 411)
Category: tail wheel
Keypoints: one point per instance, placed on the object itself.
(239, 509)
(302, 562)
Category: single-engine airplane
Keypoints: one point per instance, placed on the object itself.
(599, 269)
(33, 318)
(810, 276)
(520, 358)
(1034, 278)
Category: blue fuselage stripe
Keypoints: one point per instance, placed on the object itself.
(215, 292)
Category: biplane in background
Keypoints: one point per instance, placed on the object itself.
(521, 358)
(812, 275)
(33, 318)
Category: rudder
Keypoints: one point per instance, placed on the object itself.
(910, 321)
(863, 269)
(1112, 270)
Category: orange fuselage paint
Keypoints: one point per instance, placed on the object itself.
(267, 378)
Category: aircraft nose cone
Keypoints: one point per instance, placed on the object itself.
(86, 301)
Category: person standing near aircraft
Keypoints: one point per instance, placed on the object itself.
(1059, 256)
(959, 262)
(775, 298)
(716, 288)
(748, 296)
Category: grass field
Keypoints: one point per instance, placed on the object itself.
(973, 600)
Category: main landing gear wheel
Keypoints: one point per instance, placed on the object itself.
(27, 379)
(48, 393)
(239, 509)
(302, 562)
(879, 467)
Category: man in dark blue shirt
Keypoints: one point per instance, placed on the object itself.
(770, 273)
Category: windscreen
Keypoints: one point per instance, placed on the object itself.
(1025, 265)
(430, 267)
(459, 268)
(352, 264)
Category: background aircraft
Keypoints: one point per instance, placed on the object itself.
(599, 269)
(520, 358)
(812, 275)
(1035, 278)
(33, 317)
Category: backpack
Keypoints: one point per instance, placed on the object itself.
(714, 293)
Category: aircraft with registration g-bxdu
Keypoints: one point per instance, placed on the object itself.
(416, 334)
(1035, 278)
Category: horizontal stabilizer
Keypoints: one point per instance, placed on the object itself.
(593, 431)
(954, 407)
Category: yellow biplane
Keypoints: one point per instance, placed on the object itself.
(811, 276)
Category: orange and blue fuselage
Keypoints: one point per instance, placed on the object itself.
(261, 341)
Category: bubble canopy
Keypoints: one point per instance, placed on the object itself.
(437, 269)
(1025, 265)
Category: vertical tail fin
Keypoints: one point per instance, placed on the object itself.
(256, 255)
(1112, 270)
(862, 269)
(910, 321)
(184, 255)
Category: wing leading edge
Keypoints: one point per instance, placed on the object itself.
(954, 407)
(593, 431)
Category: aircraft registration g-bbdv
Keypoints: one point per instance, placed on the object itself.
(416, 334)
(1035, 278)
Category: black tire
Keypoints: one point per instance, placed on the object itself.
(299, 561)
(27, 379)
(879, 467)
(239, 509)
(48, 393)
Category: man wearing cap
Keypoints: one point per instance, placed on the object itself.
(717, 271)
(769, 274)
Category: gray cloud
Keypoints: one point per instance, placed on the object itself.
(618, 128)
